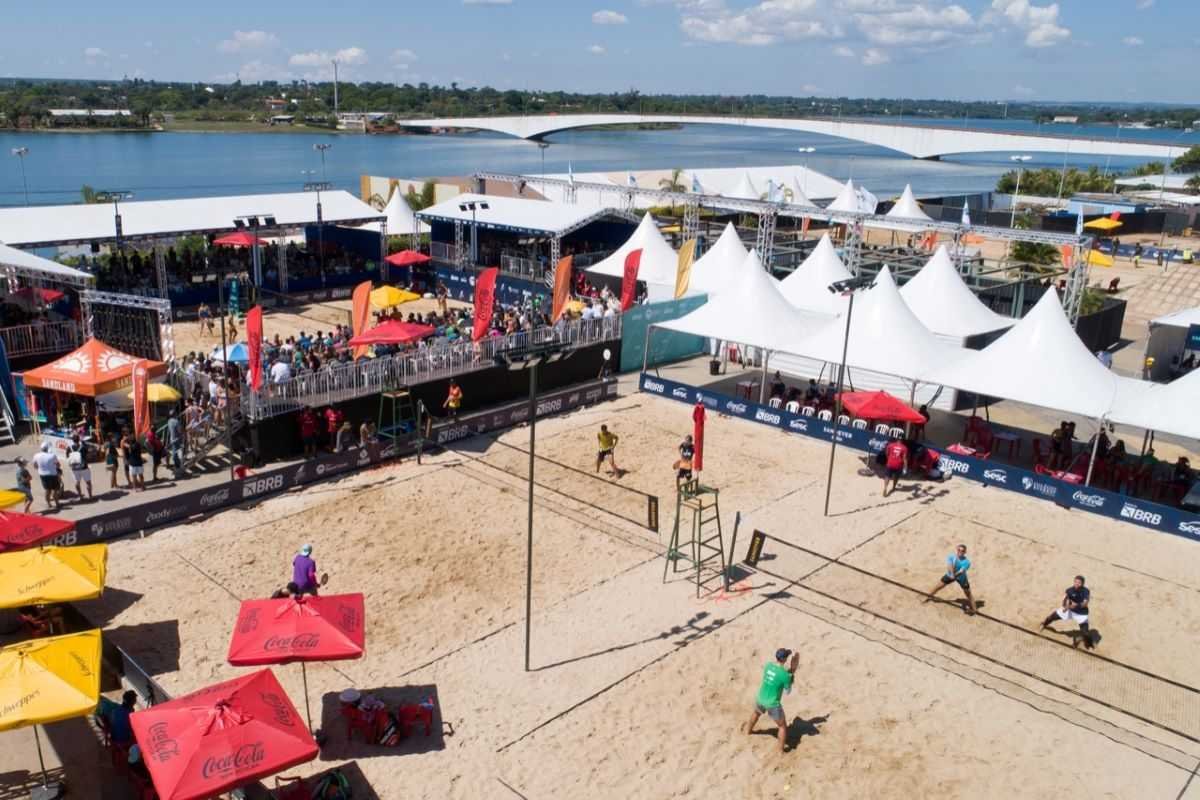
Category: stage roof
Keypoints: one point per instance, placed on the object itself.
(517, 215)
(33, 267)
(50, 226)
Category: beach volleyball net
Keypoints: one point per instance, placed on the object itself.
(1165, 703)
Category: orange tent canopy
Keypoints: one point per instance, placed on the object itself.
(94, 369)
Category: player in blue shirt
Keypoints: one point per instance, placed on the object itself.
(1074, 608)
(957, 565)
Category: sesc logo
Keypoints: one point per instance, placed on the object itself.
(1130, 511)
(1088, 500)
(997, 475)
(654, 386)
(799, 424)
(1190, 528)
(679, 392)
(766, 416)
(947, 464)
(256, 486)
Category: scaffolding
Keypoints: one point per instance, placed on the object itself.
(140, 326)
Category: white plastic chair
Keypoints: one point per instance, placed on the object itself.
(808, 411)
(793, 407)
(896, 432)
(844, 420)
(860, 424)
(882, 429)
(775, 402)
(825, 416)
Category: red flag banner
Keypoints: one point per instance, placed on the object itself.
(698, 415)
(804, 227)
(485, 299)
(141, 398)
(629, 281)
(360, 314)
(254, 334)
(1068, 255)
(562, 287)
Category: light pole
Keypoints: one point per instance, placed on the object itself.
(846, 287)
(1020, 161)
(543, 146)
(318, 186)
(473, 206)
(806, 152)
(115, 197)
(321, 147)
(529, 359)
(21, 152)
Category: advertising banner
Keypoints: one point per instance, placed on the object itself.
(254, 335)
(485, 302)
(141, 399)
(990, 473)
(517, 412)
(633, 262)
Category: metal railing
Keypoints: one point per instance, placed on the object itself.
(529, 268)
(41, 338)
(440, 251)
(341, 382)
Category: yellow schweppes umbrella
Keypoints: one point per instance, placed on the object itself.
(389, 296)
(683, 274)
(47, 680)
(52, 575)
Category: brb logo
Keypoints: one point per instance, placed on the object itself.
(654, 386)
(679, 392)
(453, 434)
(1089, 500)
(257, 486)
(997, 475)
(1130, 511)
(766, 416)
(948, 464)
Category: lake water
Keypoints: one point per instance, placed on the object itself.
(170, 165)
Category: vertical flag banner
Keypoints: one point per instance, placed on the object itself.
(141, 399)
(254, 334)
(562, 287)
(683, 273)
(360, 314)
(485, 298)
(804, 227)
(698, 415)
(1068, 255)
(966, 215)
(629, 280)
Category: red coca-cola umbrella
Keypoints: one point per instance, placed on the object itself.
(328, 628)
(19, 531)
(393, 332)
(221, 737)
(239, 239)
(879, 406)
(406, 258)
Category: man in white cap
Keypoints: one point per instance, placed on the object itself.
(304, 571)
(48, 469)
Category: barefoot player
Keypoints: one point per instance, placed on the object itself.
(957, 565)
(683, 467)
(1074, 608)
(608, 443)
(777, 679)
(896, 463)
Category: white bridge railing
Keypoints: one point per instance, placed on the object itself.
(374, 375)
(41, 338)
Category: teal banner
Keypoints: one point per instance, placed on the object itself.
(665, 345)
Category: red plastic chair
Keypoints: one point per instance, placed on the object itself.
(357, 721)
(408, 715)
(142, 787)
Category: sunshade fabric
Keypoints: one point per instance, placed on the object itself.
(52, 575)
(944, 303)
(407, 258)
(808, 286)
(714, 270)
(236, 353)
(879, 406)
(94, 369)
(160, 393)
(49, 679)
(658, 264)
(324, 628)
(389, 296)
(238, 239)
(21, 531)
(393, 332)
(1103, 224)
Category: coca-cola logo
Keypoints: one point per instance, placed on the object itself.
(217, 498)
(163, 746)
(248, 622)
(279, 708)
(348, 618)
(244, 759)
(301, 641)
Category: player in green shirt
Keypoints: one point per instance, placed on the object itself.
(777, 679)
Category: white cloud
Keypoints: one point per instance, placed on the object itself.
(93, 53)
(1133, 41)
(242, 41)
(766, 23)
(1040, 23)
(597, 50)
(351, 55)
(1144, 4)
(873, 57)
(404, 56)
(843, 51)
(917, 26)
(609, 18)
(811, 88)
(487, 2)
(322, 58)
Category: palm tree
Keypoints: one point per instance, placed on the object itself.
(673, 184)
(377, 202)
(1193, 182)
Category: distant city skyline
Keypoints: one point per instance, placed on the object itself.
(1029, 50)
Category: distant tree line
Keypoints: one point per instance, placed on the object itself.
(1046, 182)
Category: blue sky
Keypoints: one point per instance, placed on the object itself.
(1124, 50)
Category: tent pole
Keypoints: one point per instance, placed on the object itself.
(307, 710)
(762, 386)
(37, 740)
(838, 403)
(646, 349)
(1145, 439)
(1095, 448)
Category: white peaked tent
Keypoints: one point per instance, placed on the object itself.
(799, 198)
(1167, 407)
(1040, 361)
(744, 190)
(944, 303)
(720, 266)
(906, 215)
(401, 219)
(854, 198)
(807, 287)
(658, 265)
(885, 336)
(750, 312)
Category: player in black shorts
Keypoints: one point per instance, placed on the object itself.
(1074, 608)
(683, 467)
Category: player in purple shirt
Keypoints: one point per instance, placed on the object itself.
(304, 571)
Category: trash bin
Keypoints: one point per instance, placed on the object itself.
(714, 367)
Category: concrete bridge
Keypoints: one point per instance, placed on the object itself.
(918, 141)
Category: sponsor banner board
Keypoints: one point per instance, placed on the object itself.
(515, 413)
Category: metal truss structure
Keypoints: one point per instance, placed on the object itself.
(89, 299)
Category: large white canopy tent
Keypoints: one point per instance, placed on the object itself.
(30, 268)
(1040, 361)
(906, 215)
(807, 288)
(744, 189)
(1167, 407)
(854, 199)
(720, 266)
(658, 266)
(401, 219)
(945, 305)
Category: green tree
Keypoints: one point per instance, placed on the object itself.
(673, 184)
(1046, 182)
(1189, 161)
(426, 198)
(1041, 256)
(1193, 182)
(88, 194)
(1149, 168)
